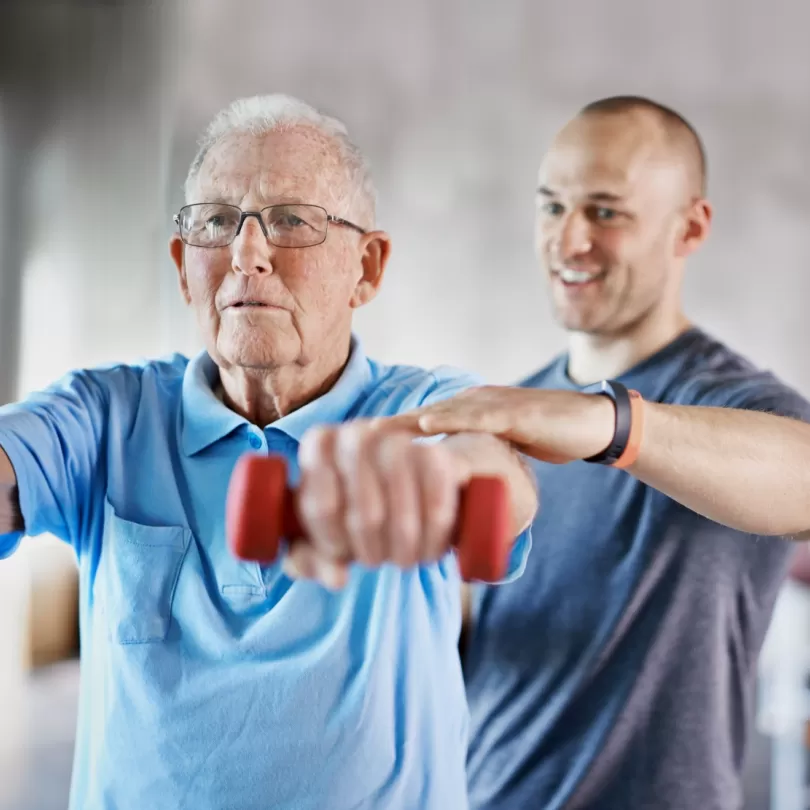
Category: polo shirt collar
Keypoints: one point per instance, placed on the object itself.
(206, 419)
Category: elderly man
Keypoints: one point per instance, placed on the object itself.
(209, 682)
(618, 671)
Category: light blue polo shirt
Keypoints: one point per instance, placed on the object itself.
(213, 684)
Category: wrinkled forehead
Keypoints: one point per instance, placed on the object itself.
(297, 164)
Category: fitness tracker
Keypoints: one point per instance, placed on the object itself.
(623, 449)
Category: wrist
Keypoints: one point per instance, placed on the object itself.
(601, 419)
(560, 426)
(628, 417)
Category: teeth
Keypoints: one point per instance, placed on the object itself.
(576, 276)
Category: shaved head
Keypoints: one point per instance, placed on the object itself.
(678, 135)
(621, 205)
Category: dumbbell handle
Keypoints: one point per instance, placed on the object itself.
(291, 523)
(262, 509)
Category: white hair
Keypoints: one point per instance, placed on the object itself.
(260, 115)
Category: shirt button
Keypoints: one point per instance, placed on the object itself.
(255, 441)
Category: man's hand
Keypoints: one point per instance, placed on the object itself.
(742, 468)
(555, 426)
(373, 495)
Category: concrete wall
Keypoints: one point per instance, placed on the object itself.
(87, 86)
(455, 103)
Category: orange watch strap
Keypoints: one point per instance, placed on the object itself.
(631, 451)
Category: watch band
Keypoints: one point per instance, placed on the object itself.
(623, 449)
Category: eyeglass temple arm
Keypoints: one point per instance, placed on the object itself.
(339, 221)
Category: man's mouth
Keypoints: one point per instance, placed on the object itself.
(251, 305)
(578, 278)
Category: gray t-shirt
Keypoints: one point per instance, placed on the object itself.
(618, 673)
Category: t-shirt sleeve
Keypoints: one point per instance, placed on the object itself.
(762, 392)
(447, 383)
(54, 440)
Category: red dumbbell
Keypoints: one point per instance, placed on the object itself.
(261, 510)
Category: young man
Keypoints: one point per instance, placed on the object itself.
(619, 671)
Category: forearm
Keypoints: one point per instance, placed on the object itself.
(744, 469)
(483, 454)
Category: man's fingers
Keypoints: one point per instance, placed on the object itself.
(321, 500)
(401, 423)
(439, 483)
(372, 494)
(365, 501)
(452, 416)
(428, 421)
(396, 455)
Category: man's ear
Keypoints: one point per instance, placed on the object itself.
(176, 252)
(376, 248)
(697, 228)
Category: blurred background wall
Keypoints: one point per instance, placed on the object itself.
(101, 104)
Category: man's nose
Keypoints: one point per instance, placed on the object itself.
(251, 249)
(573, 238)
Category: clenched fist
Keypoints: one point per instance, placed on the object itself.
(372, 496)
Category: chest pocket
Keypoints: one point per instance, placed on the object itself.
(139, 569)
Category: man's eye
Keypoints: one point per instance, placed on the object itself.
(289, 221)
(553, 209)
(604, 214)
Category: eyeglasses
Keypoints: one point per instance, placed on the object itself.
(212, 225)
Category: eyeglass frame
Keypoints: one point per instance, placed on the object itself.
(258, 214)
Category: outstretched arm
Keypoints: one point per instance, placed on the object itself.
(745, 469)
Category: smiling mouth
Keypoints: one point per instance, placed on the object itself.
(578, 278)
